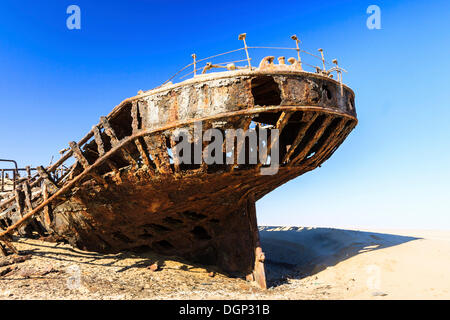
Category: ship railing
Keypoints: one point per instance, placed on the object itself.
(202, 66)
(32, 177)
(10, 177)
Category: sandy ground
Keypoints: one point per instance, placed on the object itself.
(302, 263)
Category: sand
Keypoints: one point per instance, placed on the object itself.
(374, 264)
(302, 263)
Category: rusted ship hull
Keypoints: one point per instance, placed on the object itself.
(126, 192)
(200, 213)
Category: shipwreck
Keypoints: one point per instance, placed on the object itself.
(122, 187)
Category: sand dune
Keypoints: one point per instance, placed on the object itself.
(357, 264)
(306, 251)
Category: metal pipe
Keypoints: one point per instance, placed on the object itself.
(18, 169)
(13, 161)
(15, 172)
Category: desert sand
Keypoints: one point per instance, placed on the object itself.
(301, 263)
(367, 264)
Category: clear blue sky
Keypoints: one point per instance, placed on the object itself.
(391, 172)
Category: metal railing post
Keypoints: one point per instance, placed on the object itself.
(194, 56)
(338, 72)
(28, 170)
(242, 37)
(297, 41)
(323, 59)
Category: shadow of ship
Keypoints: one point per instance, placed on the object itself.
(295, 252)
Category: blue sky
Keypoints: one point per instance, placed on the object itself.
(391, 172)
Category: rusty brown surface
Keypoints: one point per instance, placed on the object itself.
(124, 192)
